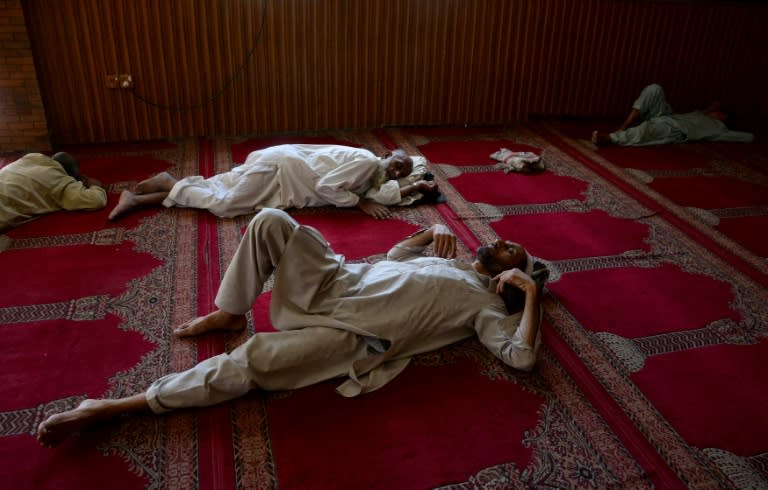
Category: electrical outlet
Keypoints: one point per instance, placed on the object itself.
(123, 80)
(126, 81)
(113, 81)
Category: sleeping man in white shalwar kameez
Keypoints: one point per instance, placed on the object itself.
(291, 176)
(362, 322)
(660, 126)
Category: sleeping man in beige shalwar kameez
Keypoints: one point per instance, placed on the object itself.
(652, 122)
(361, 322)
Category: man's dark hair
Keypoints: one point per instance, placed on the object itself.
(69, 163)
(432, 196)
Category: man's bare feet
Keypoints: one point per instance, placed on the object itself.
(600, 139)
(56, 428)
(126, 203)
(162, 182)
(217, 320)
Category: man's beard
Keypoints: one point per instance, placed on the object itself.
(490, 262)
(487, 260)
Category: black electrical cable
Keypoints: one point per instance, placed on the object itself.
(218, 93)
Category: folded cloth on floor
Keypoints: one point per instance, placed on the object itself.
(518, 161)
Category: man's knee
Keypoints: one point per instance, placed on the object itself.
(654, 90)
(272, 218)
(270, 224)
(271, 214)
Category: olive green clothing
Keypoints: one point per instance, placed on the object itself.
(37, 184)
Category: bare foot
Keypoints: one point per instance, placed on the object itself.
(162, 182)
(126, 203)
(56, 428)
(600, 139)
(217, 320)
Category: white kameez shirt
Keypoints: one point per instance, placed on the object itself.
(284, 176)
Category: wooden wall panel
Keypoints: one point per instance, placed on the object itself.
(214, 67)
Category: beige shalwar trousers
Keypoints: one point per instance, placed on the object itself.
(272, 361)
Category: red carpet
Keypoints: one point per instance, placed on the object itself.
(721, 189)
(654, 332)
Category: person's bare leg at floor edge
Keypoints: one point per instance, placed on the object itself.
(57, 428)
(162, 182)
(149, 192)
(601, 139)
(214, 321)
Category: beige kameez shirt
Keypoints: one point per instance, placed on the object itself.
(405, 305)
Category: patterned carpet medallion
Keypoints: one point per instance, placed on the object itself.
(659, 323)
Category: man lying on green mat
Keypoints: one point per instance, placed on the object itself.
(291, 176)
(360, 321)
(660, 126)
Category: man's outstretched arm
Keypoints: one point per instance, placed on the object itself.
(418, 186)
(372, 208)
(440, 235)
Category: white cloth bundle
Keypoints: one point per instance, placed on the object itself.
(518, 161)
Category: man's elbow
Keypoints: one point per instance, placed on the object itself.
(526, 366)
(98, 197)
(101, 201)
(522, 359)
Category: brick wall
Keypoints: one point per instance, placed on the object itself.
(23, 126)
